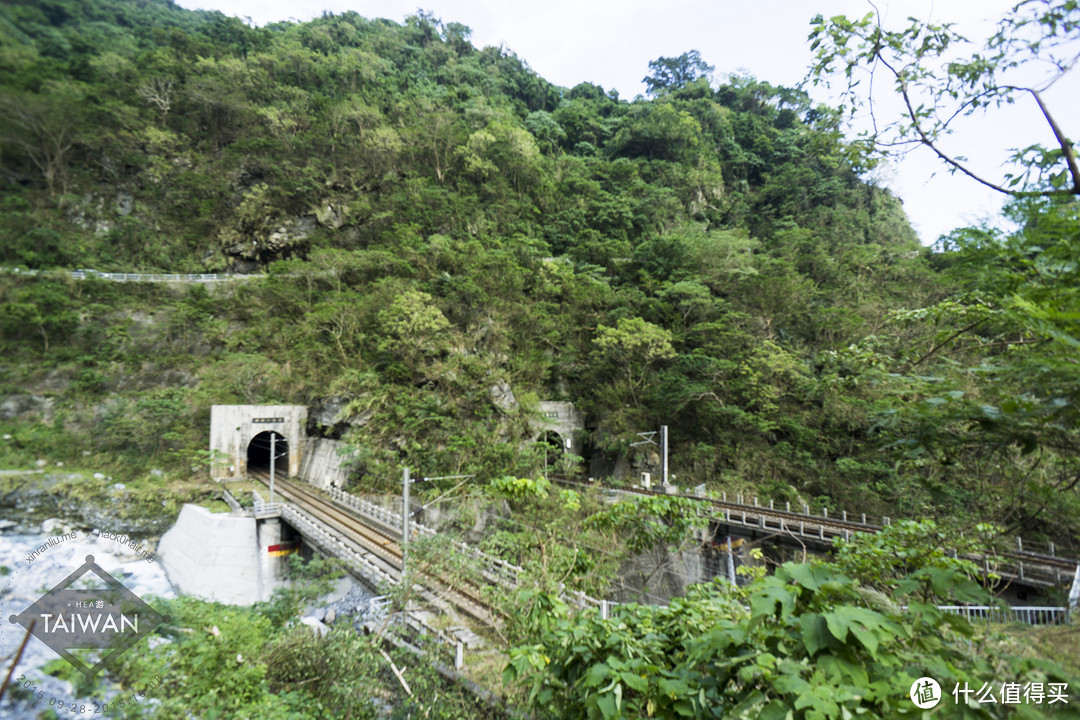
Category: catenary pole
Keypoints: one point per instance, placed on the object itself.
(273, 457)
(405, 481)
(664, 451)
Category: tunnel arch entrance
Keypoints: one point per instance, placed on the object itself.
(555, 450)
(554, 443)
(261, 447)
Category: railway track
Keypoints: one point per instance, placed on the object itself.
(1016, 565)
(382, 549)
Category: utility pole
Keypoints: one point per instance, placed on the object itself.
(273, 456)
(730, 563)
(405, 482)
(664, 452)
(1074, 594)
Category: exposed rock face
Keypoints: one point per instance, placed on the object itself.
(29, 503)
(268, 241)
(55, 381)
(503, 396)
(289, 234)
(22, 406)
(330, 413)
(330, 216)
(326, 414)
(174, 377)
(125, 203)
(97, 212)
(244, 267)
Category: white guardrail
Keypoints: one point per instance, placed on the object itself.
(420, 632)
(1033, 615)
(1027, 615)
(314, 532)
(264, 510)
(498, 569)
(135, 277)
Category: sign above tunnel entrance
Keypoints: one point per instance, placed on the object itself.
(268, 420)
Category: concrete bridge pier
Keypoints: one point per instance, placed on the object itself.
(226, 557)
(271, 555)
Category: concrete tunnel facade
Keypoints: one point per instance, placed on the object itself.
(234, 430)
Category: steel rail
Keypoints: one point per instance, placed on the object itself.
(387, 549)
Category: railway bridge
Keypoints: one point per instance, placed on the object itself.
(1023, 570)
(316, 514)
(368, 538)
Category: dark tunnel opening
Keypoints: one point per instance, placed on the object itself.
(554, 442)
(258, 452)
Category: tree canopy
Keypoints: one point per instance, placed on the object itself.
(673, 73)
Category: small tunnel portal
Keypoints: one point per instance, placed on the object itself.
(258, 452)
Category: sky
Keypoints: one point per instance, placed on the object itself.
(610, 43)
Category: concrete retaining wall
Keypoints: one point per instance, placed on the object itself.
(215, 556)
(657, 575)
(321, 462)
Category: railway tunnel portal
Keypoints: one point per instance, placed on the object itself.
(243, 436)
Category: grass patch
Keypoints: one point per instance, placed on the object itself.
(216, 506)
(1059, 643)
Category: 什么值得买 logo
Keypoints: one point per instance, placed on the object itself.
(925, 693)
(90, 610)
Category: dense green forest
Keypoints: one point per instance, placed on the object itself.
(441, 225)
(445, 239)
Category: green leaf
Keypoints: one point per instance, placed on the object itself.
(764, 604)
(598, 675)
(806, 575)
(685, 708)
(869, 641)
(606, 703)
(673, 688)
(775, 710)
(791, 684)
(838, 625)
(815, 632)
(838, 669)
(635, 682)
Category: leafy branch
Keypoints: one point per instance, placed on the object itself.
(970, 84)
